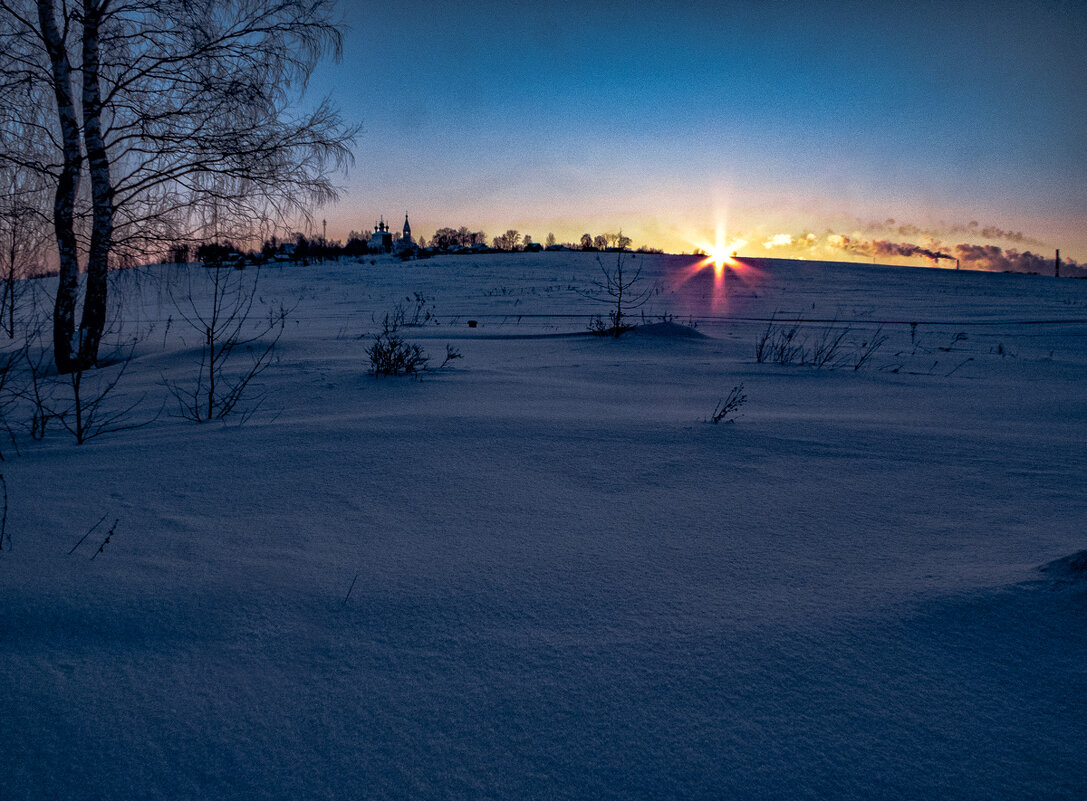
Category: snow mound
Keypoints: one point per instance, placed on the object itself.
(669, 330)
(1068, 568)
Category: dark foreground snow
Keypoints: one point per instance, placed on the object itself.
(569, 584)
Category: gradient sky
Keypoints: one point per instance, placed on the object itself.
(669, 120)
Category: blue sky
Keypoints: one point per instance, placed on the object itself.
(672, 120)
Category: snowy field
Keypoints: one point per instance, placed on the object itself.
(541, 572)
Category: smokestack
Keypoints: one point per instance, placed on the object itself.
(956, 264)
(1057, 264)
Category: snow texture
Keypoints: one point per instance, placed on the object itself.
(543, 573)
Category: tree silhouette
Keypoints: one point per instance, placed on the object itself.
(619, 288)
(181, 114)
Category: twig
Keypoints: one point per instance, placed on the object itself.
(958, 366)
(106, 540)
(4, 519)
(89, 532)
(356, 578)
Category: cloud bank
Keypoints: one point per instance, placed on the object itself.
(938, 246)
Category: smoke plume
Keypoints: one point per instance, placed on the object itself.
(972, 229)
(992, 258)
(882, 247)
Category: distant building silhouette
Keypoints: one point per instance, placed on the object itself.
(382, 240)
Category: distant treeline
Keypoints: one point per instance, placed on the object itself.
(444, 241)
(451, 239)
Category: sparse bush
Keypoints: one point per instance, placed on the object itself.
(727, 410)
(102, 545)
(106, 541)
(829, 348)
(222, 313)
(391, 354)
(87, 416)
(81, 401)
(780, 344)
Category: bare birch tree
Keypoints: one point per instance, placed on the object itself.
(184, 116)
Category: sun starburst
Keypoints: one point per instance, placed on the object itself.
(722, 257)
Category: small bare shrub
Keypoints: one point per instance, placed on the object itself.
(727, 410)
(81, 401)
(451, 353)
(829, 348)
(102, 545)
(780, 343)
(612, 328)
(391, 354)
(222, 313)
(87, 416)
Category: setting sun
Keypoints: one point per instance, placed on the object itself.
(722, 257)
(722, 252)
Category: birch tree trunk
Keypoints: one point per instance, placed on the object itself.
(93, 322)
(64, 202)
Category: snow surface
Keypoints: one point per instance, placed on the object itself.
(543, 574)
